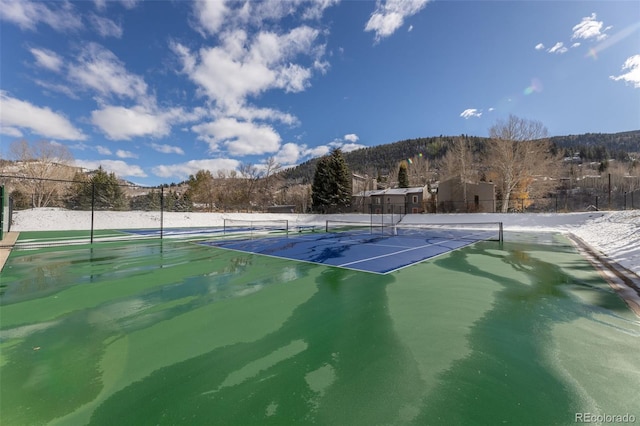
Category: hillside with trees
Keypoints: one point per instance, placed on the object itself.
(585, 169)
(383, 160)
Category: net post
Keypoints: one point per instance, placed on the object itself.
(286, 226)
(501, 233)
(326, 226)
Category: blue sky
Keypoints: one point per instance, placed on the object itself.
(157, 90)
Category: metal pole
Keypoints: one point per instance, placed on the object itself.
(597, 203)
(625, 200)
(161, 211)
(93, 202)
(609, 191)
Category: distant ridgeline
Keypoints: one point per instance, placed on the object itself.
(381, 159)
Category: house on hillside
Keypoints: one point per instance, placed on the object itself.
(456, 196)
(388, 201)
(360, 183)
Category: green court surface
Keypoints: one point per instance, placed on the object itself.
(176, 333)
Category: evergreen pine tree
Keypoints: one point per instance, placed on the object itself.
(341, 180)
(102, 189)
(331, 188)
(403, 176)
(321, 187)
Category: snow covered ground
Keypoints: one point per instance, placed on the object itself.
(615, 234)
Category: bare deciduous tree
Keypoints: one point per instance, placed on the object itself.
(269, 180)
(458, 163)
(518, 153)
(47, 163)
(420, 172)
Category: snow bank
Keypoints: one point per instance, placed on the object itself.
(615, 234)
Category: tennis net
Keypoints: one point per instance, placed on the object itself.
(476, 231)
(251, 227)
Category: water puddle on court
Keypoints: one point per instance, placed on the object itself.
(522, 332)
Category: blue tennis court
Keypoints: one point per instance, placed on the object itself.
(363, 251)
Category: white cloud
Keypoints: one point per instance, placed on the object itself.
(315, 9)
(105, 26)
(390, 15)
(27, 15)
(119, 167)
(17, 114)
(183, 170)
(100, 70)
(632, 74)
(61, 88)
(539, 46)
(574, 45)
(289, 153)
(589, 28)
(250, 113)
(125, 154)
(351, 137)
(128, 4)
(211, 15)
(558, 48)
(167, 149)
(10, 131)
(238, 137)
(348, 147)
(121, 123)
(345, 147)
(47, 59)
(103, 150)
(242, 66)
(318, 151)
(470, 112)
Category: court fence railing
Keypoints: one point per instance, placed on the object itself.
(560, 202)
(90, 200)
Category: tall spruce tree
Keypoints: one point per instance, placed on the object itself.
(102, 189)
(403, 176)
(331, 188)
(321, 187)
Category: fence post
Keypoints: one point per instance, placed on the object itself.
(625, 200)
(161, 211)
(609, 191)
(597, 209)
(1, 212)
(93, 203)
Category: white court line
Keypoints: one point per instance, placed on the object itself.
(404, 251)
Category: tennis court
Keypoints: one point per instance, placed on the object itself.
(174, 331)
(364, 246)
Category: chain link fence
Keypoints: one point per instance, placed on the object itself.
(575, 199)
(95, 206)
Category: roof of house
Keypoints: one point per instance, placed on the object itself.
(398, 191)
